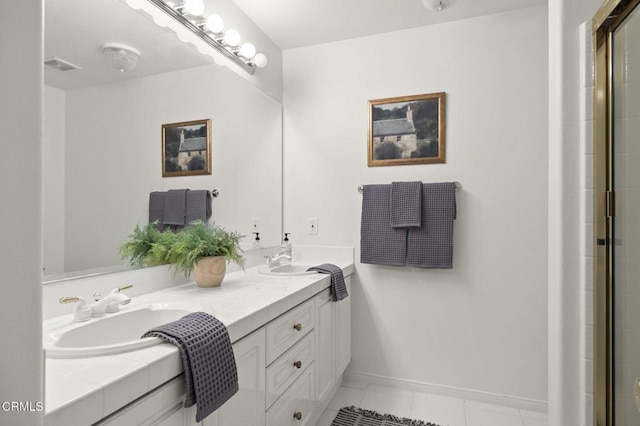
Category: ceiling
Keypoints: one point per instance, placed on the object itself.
(72, 36)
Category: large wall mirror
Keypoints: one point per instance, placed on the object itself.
(102, 135)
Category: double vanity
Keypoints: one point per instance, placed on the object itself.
(290, 340)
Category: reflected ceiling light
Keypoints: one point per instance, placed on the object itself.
(196, 29)
(437, 5)
(121, 56)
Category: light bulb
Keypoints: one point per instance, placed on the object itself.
(260, 60)
(248, 50)
(194, 7)
(214, 23)
(232, 38)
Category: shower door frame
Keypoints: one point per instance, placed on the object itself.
(605, 22)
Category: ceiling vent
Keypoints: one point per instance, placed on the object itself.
(60, 65)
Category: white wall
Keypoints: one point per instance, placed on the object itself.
(113, 157)
(481, 326)
(20, 215)
(568, 332)
(53, 169)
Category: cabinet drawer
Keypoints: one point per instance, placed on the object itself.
(291, 365)
(295, 407)
(287, 329)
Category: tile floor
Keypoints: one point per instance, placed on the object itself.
(442, 410)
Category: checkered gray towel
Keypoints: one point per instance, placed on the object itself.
(431, 246)
(198, 206)
(209, 365)
(338, 287)
(175, 207)
(156, 208)
(406, 204)
(380, 244)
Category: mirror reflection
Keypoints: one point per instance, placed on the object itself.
(103, 141)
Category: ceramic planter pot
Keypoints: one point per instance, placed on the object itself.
(209, 271)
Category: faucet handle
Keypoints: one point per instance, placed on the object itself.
(81, 312)
(124, 287)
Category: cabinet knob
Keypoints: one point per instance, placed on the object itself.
(297, 364)
(298, 327)
(297, 415)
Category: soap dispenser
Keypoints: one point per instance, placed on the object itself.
(286, 244)
(256, 242)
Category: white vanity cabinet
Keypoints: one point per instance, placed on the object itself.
(333, 340)
(287, 371)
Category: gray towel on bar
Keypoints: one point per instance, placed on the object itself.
(431, 246)
(338, 287)
(156, 208)
(380, 244)
(175, 205)
(210, 372)
(406, 204)
(198, 206)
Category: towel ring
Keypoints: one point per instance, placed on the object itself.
(457, 184)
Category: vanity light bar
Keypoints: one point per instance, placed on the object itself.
(215, 42)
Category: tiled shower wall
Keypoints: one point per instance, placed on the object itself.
(587, 218)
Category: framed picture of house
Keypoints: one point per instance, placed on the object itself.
(186, 148)
(407, 130)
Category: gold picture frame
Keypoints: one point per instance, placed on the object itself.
(407, 130)
(186, 148)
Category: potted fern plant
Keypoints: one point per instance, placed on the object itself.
(198, 248)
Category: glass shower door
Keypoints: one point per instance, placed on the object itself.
(625, 149)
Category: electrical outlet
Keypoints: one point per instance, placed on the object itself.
(255, 224)
(312, 226)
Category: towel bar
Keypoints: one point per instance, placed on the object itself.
(215, 193)
(456, 183)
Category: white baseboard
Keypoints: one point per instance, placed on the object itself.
(461, 393)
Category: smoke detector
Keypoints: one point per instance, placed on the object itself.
(120, 56)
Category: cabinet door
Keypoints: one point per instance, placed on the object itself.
(246, 408)
(161, 407)
(343, 331)
(325, 344)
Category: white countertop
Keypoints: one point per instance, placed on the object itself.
(85, 390)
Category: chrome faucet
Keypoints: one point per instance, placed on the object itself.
(111, 303)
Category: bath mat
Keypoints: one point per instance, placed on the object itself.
(354, 416)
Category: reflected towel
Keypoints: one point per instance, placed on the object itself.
(406, 204)
(210, 372)
(431, 245)
(338, 287)
(175, 207)
(156, 208)
(380, 244)
(198, 206)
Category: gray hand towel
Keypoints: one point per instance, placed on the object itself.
(338, 287)
(198, 206)
(156, 208)
(406, 204)
(175, 207)
(209, 365)
(380, 244)
(431, 246)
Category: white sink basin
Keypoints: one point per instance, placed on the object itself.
(112, 333)
(288, 269)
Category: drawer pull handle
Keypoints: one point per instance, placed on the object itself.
(297, 415)
(298, 327)
(297, 364)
